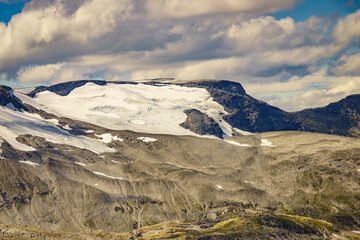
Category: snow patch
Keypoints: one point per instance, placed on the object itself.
(15, 123)
(25, 90)
(81, 164)
(180, 166)
(30, 163)
(357, 232)
(107, 138)
(219, 186)
(243, 132)
(67, 127)
(89, 131)
(237, 144)
(358, 169)
(115, 161)
(135, 107)
(248, 182)
(147, 139)
(138, 122)
(104, 175)
(266, 143)
(10, 137)
(53, 121)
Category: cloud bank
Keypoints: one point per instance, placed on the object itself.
(60, 40)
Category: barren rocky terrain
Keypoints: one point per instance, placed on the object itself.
(271, 185)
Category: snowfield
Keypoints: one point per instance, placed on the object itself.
(147, 139)
(15, 123)
(108, 138)
(136, 107)
(237, 144)
(266, 143)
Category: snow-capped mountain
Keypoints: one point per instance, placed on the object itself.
(163, 107)
(118, 156)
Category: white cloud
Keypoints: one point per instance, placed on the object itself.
(46, 33)
(228, 39)
(295, 84)
(336, 89)
(3, 76)
(190, 8)
(38, 73)
(347, 28)
(348, 64)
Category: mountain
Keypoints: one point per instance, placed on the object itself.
(340, 118)
(166, 159)
(249, 114)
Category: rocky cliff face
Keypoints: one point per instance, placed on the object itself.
(340, 118)
(7, 99)
(247, 113)
(201, 124)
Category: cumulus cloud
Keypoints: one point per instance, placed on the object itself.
(332, 90)
(39, 73)
(46, 33)
(347, 28)
(348, 65)
(257, 48)
(190, 8)
(60, 40)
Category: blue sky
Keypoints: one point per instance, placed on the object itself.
(292, 53)
(301, 12)
(9, 9)
(320, 8)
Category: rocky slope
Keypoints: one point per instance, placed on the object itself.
(81, 176)
(249, 114)
(146, 183)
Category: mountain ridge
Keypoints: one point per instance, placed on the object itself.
(252, 115)
(61, 172)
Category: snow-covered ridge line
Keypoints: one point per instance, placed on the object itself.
(135, 107)
(104, 175)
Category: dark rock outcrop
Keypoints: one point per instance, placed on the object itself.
(63, 89)
(7, 97)
(340, 118)
(250, 114)
(245, 112)
(202, 124)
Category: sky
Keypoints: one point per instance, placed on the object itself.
(293, 54)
